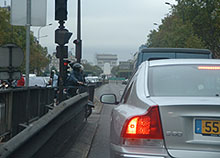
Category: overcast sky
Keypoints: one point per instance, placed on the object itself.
(108, 26)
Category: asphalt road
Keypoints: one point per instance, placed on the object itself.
(100, 144)
(93, 141)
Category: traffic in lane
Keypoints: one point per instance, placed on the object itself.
(169, 110)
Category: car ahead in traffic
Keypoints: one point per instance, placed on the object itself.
(169, 109)
(146, 53)
(38, 81)
(125, 81)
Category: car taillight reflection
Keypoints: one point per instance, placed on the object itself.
(146, 126)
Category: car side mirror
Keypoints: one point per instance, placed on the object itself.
(108, 99)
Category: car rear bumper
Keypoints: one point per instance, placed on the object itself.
(117, 151)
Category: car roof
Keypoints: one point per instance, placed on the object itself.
(182, 62)
(185, 50)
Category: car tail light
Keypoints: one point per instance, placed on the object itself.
(146, 126)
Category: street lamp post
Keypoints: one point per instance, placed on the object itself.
(43, 36)
(168, 3)
(28, 26)
(38, 35)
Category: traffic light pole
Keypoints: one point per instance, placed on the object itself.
(61, 81)
(62, 37)
(78, 41)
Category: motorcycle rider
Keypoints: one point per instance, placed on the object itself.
(75, 80)
(76, 77)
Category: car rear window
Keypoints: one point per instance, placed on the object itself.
(184, 80)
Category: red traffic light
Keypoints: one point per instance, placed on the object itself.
(66, 62)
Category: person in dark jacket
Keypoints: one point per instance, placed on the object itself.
(75, 79)
(76, 76)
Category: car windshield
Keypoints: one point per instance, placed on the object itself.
(184, 80)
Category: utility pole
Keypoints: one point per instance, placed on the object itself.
(62, 37)
(78, 41)
(28, 25)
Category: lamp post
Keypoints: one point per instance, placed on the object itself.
(168, 4)
(43, 36)
(181, 10)
(38, 35)
(28, 26)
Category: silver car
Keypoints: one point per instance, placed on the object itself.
(169, 109)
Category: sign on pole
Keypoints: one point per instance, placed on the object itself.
(17, 56)
(4, 75)
(11, 57)
(19, 12)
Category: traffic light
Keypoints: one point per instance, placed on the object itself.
(62, 36)
(60, 9)
(65, 68)
(62, 50)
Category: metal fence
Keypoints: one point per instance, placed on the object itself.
(21, 106)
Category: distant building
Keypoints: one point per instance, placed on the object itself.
(103, 59)
(54, 61)
(71, 57)
(7, 7)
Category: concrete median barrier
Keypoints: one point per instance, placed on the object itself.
(45, 137)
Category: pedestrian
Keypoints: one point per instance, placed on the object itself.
(53, 78)
(21, 82)
(54, 83)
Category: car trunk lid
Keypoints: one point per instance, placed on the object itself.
(186, 122)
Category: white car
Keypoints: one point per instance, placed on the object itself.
(38, 81)
(170, 109)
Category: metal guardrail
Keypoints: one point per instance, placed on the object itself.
(21, 106)
(44, 137)
(73, 90)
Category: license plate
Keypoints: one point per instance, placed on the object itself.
(207, 127)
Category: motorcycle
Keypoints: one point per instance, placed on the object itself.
(71, 91)
(4, 85)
